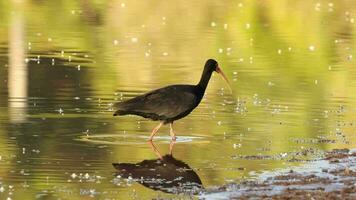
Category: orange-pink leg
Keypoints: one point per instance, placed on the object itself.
(154, 131)
(173, 135)
(171, 147)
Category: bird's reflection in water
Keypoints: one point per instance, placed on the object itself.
(166, 173)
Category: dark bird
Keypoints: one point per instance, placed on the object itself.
(166, 174)
(169, 103)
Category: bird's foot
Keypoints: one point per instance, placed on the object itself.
(174, 138)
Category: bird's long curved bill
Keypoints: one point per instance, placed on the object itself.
(219, 71)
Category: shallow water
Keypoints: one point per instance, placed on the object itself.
(62, 65)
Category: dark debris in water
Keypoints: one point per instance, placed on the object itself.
(304, 155)
(314, 141)
(332, 177)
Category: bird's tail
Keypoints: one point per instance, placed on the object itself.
(120, 109)
(124, 108)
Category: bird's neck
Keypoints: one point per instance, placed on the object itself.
(204, 80)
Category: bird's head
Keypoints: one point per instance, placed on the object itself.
(213, 65)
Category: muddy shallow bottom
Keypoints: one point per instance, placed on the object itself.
(333, 177)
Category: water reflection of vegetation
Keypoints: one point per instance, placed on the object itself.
(301, 92)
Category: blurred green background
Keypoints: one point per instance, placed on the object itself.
(64, 63)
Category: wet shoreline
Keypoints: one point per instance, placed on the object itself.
(332, 177)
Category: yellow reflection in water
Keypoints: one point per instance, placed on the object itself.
(18, 73)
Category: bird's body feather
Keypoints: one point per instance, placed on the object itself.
(166, 104)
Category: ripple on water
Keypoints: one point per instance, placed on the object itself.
(130, 139)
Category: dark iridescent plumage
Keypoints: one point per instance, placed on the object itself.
(165, 104)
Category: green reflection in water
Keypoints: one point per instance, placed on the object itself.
(290, 64)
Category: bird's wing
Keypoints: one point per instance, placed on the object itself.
(166, 102)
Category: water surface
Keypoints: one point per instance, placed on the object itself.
(63, 64)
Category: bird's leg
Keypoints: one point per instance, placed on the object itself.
(154, 131)
(171, 146)
(171, 132)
